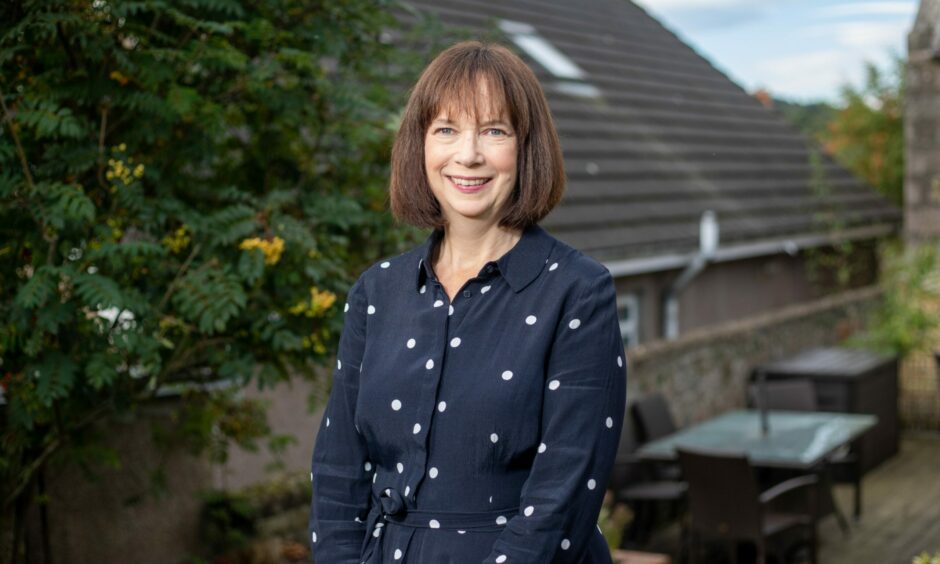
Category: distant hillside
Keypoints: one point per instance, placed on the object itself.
(812, 119)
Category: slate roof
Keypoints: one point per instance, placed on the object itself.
(670, 137)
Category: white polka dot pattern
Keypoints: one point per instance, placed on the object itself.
(524, 346)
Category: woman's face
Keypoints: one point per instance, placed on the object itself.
(471, 163)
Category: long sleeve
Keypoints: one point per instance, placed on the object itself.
(582, 415)
(341, 472)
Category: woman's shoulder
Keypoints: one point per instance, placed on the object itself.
(392, 270)
(575, 267)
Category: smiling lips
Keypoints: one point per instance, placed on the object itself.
(469, 184)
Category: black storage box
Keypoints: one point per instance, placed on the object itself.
(851, 381)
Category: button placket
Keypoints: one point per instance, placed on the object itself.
(427, 404)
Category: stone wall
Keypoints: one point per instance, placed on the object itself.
(922, 126)
(706, 371)
(920, 389)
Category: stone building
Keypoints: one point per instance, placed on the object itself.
(922, 126)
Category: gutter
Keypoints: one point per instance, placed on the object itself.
(790, 246)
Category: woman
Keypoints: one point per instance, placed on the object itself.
(479, 387)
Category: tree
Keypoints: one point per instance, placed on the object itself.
(185, 190)
(866, 135)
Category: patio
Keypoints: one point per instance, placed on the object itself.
(901, 516)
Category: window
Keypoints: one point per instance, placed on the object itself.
(572, 78)
(628, 312)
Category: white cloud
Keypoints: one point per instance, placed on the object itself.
(900, 8)
(865, 35)
(806, 75)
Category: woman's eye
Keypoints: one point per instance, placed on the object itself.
(496, 131)
(445, 130)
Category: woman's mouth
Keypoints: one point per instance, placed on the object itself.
(469, 184)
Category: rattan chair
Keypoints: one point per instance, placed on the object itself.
(726, 505)
(800, 395)
(635, 483)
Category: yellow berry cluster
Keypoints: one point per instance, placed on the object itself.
(272, 248)
(178, 240)
(320, 301)
(118, 169)
(315, 341)
(116, 229)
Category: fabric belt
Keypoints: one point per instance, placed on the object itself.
(391, 509)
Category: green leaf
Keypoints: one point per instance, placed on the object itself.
(100, 371)
(250, 266)
(54, 377)
(66, 203)
(183, 100)
(98, 291)
(38, 289)
(210, 298)
(231, 224)
(122, 251)
(53, 316)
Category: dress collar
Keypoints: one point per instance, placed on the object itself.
(519, 266)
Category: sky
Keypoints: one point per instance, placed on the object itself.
(801, 50)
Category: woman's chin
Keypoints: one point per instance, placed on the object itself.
(475, 213)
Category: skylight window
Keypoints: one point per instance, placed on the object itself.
(525, 36)
(572, 78)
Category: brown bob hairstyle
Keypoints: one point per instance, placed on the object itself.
(452, 82)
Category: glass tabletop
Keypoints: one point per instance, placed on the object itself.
(796, 439)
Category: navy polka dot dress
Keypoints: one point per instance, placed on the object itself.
(475, 431)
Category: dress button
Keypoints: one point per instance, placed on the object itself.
(466, 293)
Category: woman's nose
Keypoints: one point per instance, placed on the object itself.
(468, 150)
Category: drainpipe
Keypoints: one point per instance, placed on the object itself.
(708, 244)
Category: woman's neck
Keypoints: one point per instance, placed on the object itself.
(466, 248)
